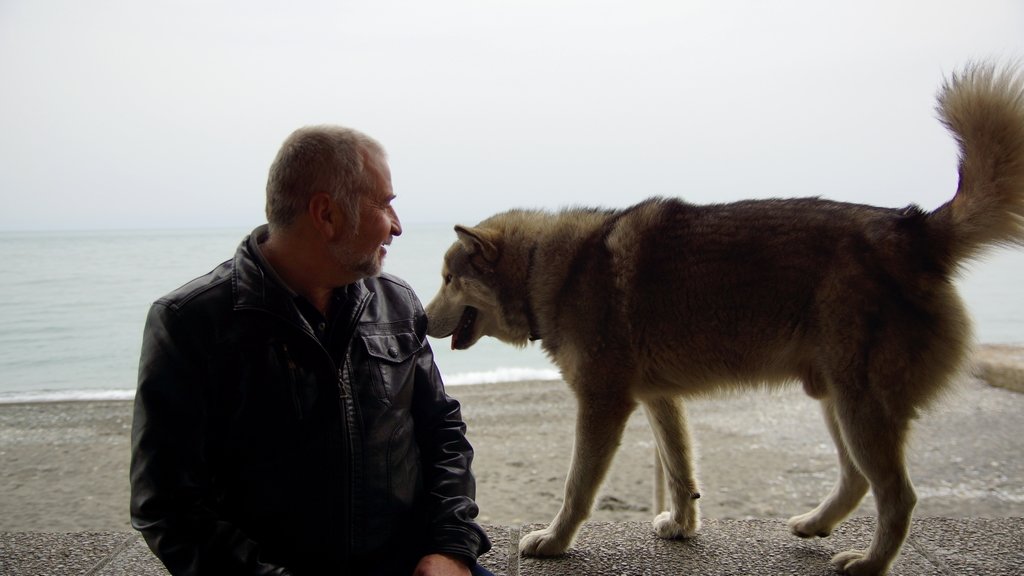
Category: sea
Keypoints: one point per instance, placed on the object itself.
(73, 305)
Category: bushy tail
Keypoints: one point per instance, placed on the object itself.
(983, 107)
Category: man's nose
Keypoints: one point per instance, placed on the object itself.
(396, 224)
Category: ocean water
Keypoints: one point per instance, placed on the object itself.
(73, 304)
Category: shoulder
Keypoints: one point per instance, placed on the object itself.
(390, 286)
(213, 285)
(394, 300)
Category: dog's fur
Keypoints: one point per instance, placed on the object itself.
(666, 299)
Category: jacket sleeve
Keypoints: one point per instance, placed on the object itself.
(447, 459)
(173, 499)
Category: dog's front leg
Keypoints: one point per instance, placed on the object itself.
(599, 426)
(668, 421)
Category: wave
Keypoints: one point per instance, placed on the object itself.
(501, 375)
(34, 396)
(496, 376)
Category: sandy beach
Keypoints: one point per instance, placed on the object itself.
(64, 466)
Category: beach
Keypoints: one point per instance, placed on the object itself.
(64, 465)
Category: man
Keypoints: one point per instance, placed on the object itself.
(289, 417)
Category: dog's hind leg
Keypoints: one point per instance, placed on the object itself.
(874, 436)
(599, 426)
(668, 421)
(849, 490)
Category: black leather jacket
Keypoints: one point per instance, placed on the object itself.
(255, 452)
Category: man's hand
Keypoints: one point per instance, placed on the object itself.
(441, 565)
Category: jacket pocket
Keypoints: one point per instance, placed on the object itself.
(392, 362)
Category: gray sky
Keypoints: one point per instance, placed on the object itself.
(145, 114)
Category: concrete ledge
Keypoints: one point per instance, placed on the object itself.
(1001, 366)
(937, 546)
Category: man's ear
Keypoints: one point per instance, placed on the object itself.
(324, 214)
(480, 241)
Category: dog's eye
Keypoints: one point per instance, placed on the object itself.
(447, 279)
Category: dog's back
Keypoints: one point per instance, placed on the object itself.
(761, 291)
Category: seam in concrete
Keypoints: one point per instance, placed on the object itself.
(114, 554)
(513, 550)
(930, 556)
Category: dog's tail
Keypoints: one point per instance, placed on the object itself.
(983, 107)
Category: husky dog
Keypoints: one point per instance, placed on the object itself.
(666, 299)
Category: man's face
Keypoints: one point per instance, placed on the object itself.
(361, 251)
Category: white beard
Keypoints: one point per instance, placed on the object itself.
(368, 266)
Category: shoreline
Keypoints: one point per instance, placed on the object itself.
(999, 364)
(761, 454)
(71, 396)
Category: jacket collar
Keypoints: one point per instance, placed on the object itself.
(255, 285)
(250, 284)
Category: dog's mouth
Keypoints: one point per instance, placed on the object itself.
(462, 337)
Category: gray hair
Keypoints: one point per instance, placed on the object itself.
(317, 159)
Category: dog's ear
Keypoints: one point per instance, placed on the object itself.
(479, 241)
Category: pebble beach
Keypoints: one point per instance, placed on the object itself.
(64, 465)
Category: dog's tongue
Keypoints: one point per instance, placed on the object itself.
(455, 336)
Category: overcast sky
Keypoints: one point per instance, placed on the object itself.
(158, 114)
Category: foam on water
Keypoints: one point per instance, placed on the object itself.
(66, 396)
(460, 379)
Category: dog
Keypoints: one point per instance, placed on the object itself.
(667, 299)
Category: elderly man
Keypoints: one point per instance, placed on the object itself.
(289, 417)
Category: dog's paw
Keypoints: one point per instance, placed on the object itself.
(808, 526)
(543, 543)
(854, 563)
(665, 526)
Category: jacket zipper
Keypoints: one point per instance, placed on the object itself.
(345, 399)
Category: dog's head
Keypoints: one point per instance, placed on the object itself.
(476, 289)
